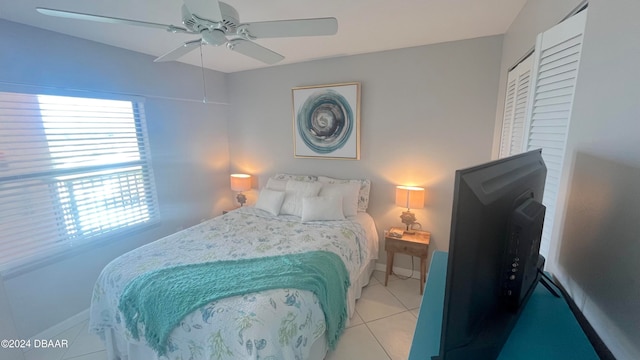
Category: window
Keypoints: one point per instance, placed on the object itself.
(71, 170)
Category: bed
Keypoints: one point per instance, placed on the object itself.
(282, 323)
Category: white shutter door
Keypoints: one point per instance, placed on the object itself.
(556, 58)
(507, 120)
(520, 106)
(515, 110)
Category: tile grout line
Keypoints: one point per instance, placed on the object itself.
(378, 341)
(386, 316)
(83, 355)
(397, 298)
(80, 333)
(366, 323)
(374, 335)
(64, 354)
(406, 309)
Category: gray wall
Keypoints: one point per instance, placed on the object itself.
(425, 112)
(600, 266)
(7, 326)
(189, 150)
(596, 258)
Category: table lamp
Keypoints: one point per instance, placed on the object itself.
(240, 183)
(410, 197)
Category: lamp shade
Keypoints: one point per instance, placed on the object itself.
(410, 197)
(240, 182)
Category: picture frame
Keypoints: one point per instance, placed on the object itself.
(326, 121)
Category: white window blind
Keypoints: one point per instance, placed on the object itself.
(515, 108)
(71, 169)
(556, 62)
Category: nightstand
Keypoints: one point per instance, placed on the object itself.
(411, 244)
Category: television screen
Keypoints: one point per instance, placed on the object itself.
(493, 253)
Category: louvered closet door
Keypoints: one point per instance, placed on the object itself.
(515, 108)
(556, 62)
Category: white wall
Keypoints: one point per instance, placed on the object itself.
(425, 112)
(596, 258)
(600, 248)
(7, 327)
(189, 151)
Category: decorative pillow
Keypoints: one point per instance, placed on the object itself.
(365, 188)
(348, 192)
(270, 201)
(322, 208)
(278, 185)
(295, 192)
(307, 178)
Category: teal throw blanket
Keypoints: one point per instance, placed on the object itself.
(161, 299)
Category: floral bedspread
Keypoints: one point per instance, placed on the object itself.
(274, 324)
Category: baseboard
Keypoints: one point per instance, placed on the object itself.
(58, 328)
(400, 271)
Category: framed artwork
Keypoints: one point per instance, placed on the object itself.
(326, 121)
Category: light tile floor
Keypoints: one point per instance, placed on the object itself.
(382, 327)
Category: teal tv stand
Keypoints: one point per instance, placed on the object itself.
(546, 328)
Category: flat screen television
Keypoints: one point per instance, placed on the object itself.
(493, 256)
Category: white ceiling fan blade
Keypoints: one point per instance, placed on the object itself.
(205, 9)
(255, 51)
(107, 19)
(177, 53)
(290, 28)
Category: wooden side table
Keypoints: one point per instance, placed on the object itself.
(411, 244)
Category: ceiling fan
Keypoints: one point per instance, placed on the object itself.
(217, 23)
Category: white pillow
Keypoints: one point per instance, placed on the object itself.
(279, 185)
(322, 208)
(365, 187)
(348, 192)
(270, 201)
(295, 192)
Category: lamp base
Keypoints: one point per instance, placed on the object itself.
(242, 199)
(409, 219)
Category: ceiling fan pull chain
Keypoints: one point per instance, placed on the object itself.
(204, 87)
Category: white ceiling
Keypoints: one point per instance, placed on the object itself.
(363, 25)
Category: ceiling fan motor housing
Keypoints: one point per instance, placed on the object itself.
(197, 23)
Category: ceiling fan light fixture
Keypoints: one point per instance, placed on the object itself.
(215, 37)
